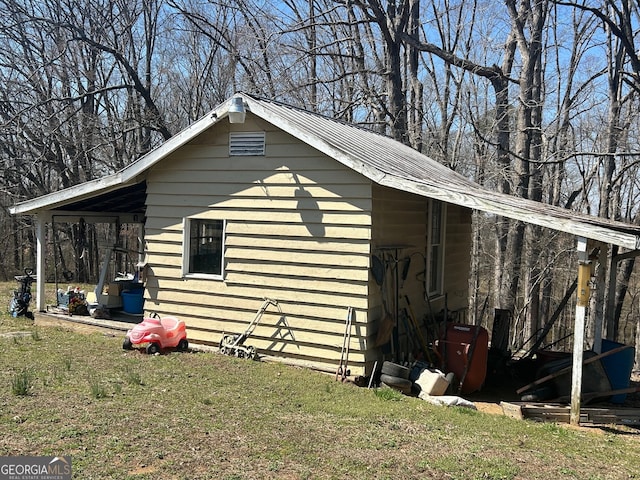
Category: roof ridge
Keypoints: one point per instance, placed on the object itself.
(303, 110)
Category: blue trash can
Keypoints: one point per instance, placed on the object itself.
(132, 301)
(618, 367)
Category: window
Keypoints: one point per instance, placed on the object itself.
(435, 246)
(203, 254)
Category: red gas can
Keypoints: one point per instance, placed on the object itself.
(463, 350)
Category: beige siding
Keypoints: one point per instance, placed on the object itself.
(400, 220)
(457, 261)
(298, 231)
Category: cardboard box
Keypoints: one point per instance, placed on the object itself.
(110, 301)
(114, 289)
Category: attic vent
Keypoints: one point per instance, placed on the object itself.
(246, 143)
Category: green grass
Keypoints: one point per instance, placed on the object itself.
(124, 414)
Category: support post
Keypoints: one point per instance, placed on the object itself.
(610, 305)
(40, 263)
(584, 276)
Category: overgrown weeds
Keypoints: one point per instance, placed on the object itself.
(22, 383)
(98, 390)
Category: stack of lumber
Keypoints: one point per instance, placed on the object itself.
(560, 413)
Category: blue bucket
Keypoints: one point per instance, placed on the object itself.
(133, 301)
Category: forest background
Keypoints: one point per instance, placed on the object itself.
(537, 99)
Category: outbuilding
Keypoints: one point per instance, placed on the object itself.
(263, 200)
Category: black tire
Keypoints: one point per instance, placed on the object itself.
(153, 348)
(183, 345)
(126, 344)
(395, 370)
(402, 385)
(404, 391)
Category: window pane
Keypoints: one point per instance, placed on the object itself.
(205, 246)
(436, 220)
(434, 281)
(435, 248)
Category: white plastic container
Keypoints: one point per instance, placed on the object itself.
(432, 382)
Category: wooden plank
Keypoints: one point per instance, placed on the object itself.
(217, 158)
(195, 291)
(266, 257)
(281, 274)
(172, 217)
(281, 335)
(586, 397)
(562, 413)
(166, 243)
(294, 244)
(293, 270)
(236, 257)
(263, 176)
(193, 204)
(512, 410)
(328, 232)
(261, 190)
(349, 287)
(314, 318)
(331, 233)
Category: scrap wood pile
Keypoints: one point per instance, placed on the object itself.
(606, 376)
(545, 412)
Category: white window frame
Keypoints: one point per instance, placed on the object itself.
(439, 243)
(186, 249)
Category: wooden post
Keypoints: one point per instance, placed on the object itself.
(40, 263)
(584, 275)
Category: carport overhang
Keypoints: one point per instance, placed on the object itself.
(122, 203)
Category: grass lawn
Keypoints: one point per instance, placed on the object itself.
(123, 414)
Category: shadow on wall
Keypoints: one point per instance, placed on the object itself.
(282, 335)
(310, 213)
(151, 284)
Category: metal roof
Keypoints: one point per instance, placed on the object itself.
(379, 158)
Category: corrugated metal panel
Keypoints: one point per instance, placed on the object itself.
(390, 163)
